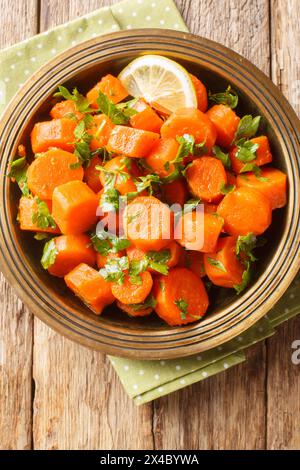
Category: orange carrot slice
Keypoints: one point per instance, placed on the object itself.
(70, 251)
(199, 231)
(111, 87)
(201, 93)
(56, 133)
(226, 123)
(53, 168)
(148, 223)
(272, 183)
(245, 210)
(131, 142)
(129, 293)
(263, 154)
(181, 297)
(74, 207)
(206, 177)
(90, 287)
(190, 121)
(27, 209)
(223, 268)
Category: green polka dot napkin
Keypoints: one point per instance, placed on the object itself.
(143, 380)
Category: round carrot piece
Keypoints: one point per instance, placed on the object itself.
(223, 268)
(71, 250)
(193, 260)
(201, 93)
(50, 170)
(181, 297)
(190, 121)
(174, 249)
(226, 123)
(129, 293)
(132, 311)
(175, 192)
(272, 183)
(245, 210)
(124, 170)
(199, 231)
(206, 176)
(163, 152)
(92, 175)
(148, 223)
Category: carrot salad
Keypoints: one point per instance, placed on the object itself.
(144, 203)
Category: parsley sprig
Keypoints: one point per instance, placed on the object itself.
(150, 302)
(49, 254)
(182, 305)
(247, 128)
(244, 251)
(42, 217)
(106, 243)
(228, 97)
(81, 102)
(119, 114)
(18, 172)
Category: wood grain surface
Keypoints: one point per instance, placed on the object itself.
(55, 394)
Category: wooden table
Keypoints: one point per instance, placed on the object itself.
(55, 394)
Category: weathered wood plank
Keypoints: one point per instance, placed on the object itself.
(283, 387)
(15, 320)
(226, 411)
(85, 407)
(79, 402)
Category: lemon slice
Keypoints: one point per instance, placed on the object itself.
(159, 80)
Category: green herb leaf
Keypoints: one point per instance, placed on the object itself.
(217, 264)
(114, 270)
(136, 268)
(108, 108)
(41, 236)
(81, 103)
(149, 302)
(191, 205)
(223, 157)
(182, 306)
(245, 244)
(227, 188)
(246, 278)
(246, 150)
(110, 200)
(18, 171)
(42, 217)
(229, 98)
(251, 167)
(247, 128)
(49, 254)
(127, 107)
(157, 260)
(147, 182)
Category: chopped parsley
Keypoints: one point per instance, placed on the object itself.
(217, 264)
(42, 217)
(227, 188)
(247, 128)
(182, 305)
(223, 157)
(116, 114)
(81, 102)
(229, 98)
(18, 172)
(49, 254)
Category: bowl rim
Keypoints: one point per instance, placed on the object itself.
(196, 337)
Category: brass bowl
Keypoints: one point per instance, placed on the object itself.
(113, 332)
